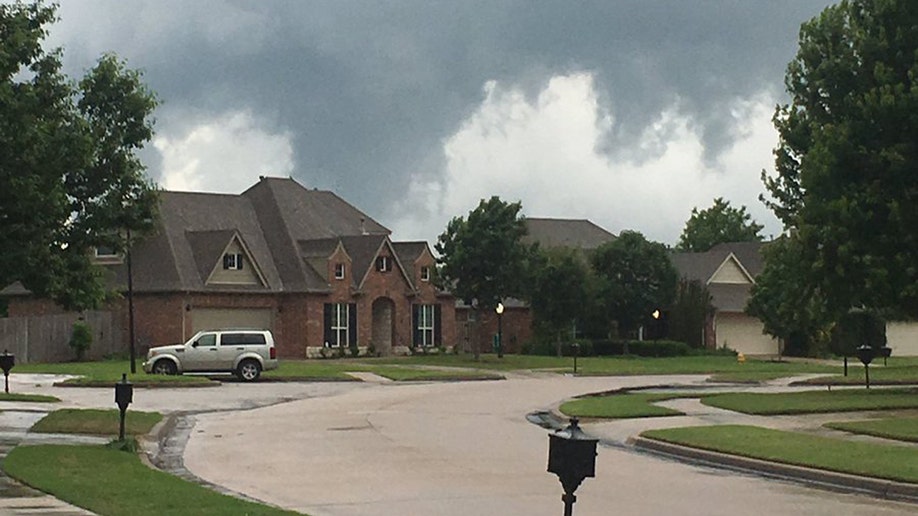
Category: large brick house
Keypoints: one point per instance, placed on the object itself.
(304, 263)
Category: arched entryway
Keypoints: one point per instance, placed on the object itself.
(383, 325)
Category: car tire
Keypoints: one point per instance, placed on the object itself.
(248, 370)
(164, 366)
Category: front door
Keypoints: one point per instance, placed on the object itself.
(383, 321)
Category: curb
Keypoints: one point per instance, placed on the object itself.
(832, 480)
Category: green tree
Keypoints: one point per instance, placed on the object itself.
(559, 292)
(482, 259)
(689, 312)
(791, 308)
(69, 180)
(718, 224)
(854, 329)
(635, 278)
(848, 146)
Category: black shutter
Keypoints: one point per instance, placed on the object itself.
(239, 261)
(415, 320)
(328, 323)
(226, 259)
(438, 335)
(352, 324)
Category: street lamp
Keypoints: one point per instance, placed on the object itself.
(571, 456)
(500, 340)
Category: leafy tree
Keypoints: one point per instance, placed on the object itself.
(482, 259)
(635, 278)
(718, 224)
(791, 308)
(689, 312)
(857, 328)
(848, 145)
(70, 180)
(560, 292)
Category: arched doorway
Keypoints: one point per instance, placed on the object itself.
(383, 325)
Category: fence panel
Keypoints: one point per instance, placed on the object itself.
(46, 338)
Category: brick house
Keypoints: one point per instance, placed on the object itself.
(304, 263)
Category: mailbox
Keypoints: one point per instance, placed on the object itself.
(571, 456)
(866, 354)
(7, 361)
(124, 395)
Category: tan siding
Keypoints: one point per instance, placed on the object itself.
(730, 273)
(246, 276)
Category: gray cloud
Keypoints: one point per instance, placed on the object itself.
(369, 91)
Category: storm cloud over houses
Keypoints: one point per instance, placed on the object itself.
(626, 113)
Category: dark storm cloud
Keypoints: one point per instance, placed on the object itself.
(369, 90)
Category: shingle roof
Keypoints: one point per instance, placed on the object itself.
(573, 233)
(408, 252)
(702, 266)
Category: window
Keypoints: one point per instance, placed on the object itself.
(339, 271)
(340, 324)
(232, 261)
(104, 251)
(425, 273)
(383, 264)
(208, 339)
(426, 325)
(242, 339)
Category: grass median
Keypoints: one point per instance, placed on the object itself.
(897, 371)
(96, 422)
(900, 429)
(114, 482)
(32, 398)
(817, 401)
(622, 405)
(892, 462)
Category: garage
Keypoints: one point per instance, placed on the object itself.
(743, 334)
(237, 318)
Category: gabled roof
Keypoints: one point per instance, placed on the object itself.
(408, 252)
(573, 233)
(730, 297)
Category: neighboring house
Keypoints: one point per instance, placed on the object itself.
(571, 233)
(303, 263)
(729, 271)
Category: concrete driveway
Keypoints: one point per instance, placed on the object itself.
(466, 448)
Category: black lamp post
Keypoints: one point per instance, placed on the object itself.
(571, 456)
(500, 330)
(7, 361)
(124, 395)
(576, 348)
(866, 354)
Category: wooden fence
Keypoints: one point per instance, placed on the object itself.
(46, 338)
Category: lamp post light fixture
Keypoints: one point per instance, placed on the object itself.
(571, 456)
(7, 361)
(124, 395)
(500, 330)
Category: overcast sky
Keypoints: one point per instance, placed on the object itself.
(627, 113)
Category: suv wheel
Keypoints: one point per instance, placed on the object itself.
(164, 366)
(249, 370)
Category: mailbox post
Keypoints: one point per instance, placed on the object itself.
(571, 456)
(124, 395)
(576, 348)
(7, 361)
(866, 354)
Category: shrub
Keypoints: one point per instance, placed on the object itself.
(80, 339)
(354, 349)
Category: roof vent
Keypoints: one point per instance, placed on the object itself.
(363, 226)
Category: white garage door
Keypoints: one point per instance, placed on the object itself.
(743, 334)
(902, 337)
(237, 318)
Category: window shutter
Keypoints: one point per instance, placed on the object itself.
(352, 324)
(226, 261)
(239, 261)
(415, 323)
(438, 335)
(328, 324)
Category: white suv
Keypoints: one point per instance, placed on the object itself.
(244, 352)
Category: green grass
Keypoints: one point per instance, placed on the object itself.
(901, 370)
(749, 376)
(900, 429)
(12, 396)
(622, 405)
(808, 402)
(96, 421)
(108, 372)
(407, 374)
(331, 369)
(114, 483)
(891, 462)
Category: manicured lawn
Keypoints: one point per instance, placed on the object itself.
(750, 376)
(107, 372)
(839, 400)
(902, 429)
(96, 421)
(27, 397)
(112, 482)
(622, 405)
(314, 370)
(610, 366)
(902, 370)
(869, 459)
(406, 374)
